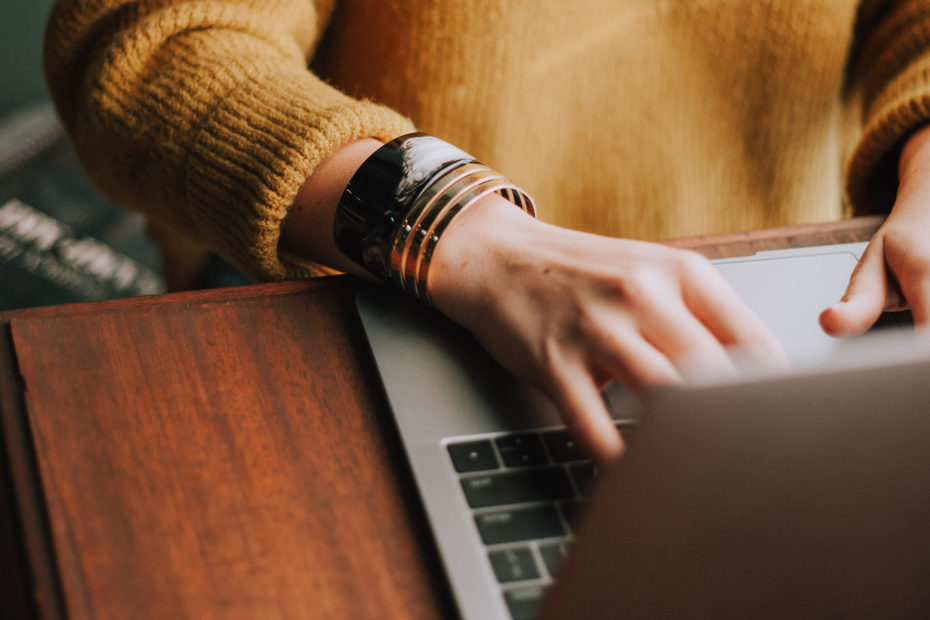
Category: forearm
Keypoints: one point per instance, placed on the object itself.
(480, 234)
(307, 231)
(915, 158)
(203, 115)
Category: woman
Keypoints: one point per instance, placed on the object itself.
(630, 119)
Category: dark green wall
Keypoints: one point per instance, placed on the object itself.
(21, 26)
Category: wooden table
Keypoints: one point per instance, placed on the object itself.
(221, 454)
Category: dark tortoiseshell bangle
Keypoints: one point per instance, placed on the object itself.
(383, 190)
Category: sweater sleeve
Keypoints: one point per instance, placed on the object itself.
(203, 114)
(888, 84)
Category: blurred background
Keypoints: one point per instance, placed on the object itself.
(61, 241)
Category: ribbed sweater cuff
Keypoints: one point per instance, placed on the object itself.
(253, 153)
(896, 111)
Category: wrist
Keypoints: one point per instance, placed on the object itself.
(476, 253)
(915, 158)
(307, 229)
(401, 201)
(913, 173)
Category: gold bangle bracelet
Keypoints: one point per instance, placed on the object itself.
(446, 196)
(410, 225)
(506, 190)
(463, 188)
(400, 201)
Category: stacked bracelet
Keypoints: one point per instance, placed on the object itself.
(400, 201)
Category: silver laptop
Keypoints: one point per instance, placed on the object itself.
(805, 495)
(503, 485)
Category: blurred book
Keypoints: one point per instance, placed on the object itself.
(61, 241)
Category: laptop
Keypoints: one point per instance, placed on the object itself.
(805, 495)
(504, 487)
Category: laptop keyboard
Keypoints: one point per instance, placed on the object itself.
(524, 491)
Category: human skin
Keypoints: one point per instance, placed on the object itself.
(894, 273)
(571, 311)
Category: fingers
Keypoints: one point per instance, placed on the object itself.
(731, 321)
(865, 297)
(623, 354)
(585, 413)
(685, 341)
(692, 322)
(907, 260)
(916, 289)
(684, 330)
(672, 343)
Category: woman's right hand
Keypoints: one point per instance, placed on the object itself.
(571, 311)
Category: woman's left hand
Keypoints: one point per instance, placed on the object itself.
(894, 271)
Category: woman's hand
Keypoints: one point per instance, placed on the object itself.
(566, 310)
(571, 311)
(894, 272)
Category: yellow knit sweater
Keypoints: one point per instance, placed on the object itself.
(635, 118)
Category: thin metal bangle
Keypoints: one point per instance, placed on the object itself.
(422, 204)
(464, 182)
(451, 203)
(400, 201)
(507, 191)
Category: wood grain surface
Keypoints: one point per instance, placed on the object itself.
(225, 454)
(225, 460)
(748, 243)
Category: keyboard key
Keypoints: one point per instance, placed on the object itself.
(553, 554)
(523, 602)
(585, 477)
(519, 524)
(562, 447)
(473, 456)
(514, 487)
(521, 450)
(514, 565)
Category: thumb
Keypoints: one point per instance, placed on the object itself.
(865, 297)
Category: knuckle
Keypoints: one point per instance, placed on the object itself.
(757, 336)
(638, 286)
(690, 263)
(551, 357)
(598, 331)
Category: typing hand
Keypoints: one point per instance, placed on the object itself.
(894, 272)
(571, 311)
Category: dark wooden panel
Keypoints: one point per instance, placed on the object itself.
(222, 459)
(28, 574)
(15, 588)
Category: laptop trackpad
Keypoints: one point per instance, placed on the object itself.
(789, 293)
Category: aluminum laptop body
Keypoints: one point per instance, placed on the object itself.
(804, 495)
(443, 389)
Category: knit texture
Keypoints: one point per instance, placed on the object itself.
(890, 77)
(638, 118)
(203, 115)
